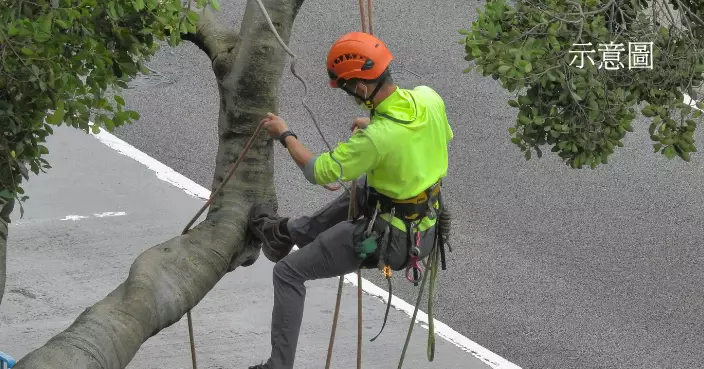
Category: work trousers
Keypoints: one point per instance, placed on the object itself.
(326, 242)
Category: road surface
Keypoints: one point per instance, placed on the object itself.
(554, 268)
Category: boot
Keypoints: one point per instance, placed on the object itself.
(271, 230)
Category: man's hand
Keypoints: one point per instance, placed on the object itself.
(274, 125)
(360, 123)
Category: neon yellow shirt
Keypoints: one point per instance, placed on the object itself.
(400, 159)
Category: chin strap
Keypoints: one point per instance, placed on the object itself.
(368, 101)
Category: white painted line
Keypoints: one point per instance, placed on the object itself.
(97, 215)
(169, 175)
(162, 171)
(110, 214)
(74, 217)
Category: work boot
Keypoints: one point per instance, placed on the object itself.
(271, 230)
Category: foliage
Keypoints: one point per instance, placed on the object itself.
(63, 58)
(583, 114)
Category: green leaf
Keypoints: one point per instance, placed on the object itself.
(42, 37)
(62, 23)
(120, 101)
(669, 152)
(27, 51)
(215, 4)
(575, 96)
(193, 16)
(513, 103)
(58, 117)
(504, 69)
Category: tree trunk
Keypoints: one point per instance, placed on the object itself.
(5, 210)
(169, 279)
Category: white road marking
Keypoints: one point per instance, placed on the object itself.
(110, 214)
(74, 217)
(169, 175)
(97, 215)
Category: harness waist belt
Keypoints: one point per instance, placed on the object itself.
(411, 209)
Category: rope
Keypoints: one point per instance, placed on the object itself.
(432, 263)
(359, 271)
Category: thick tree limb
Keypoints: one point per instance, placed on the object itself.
(168, 280)
(211, 37)
(5, 211)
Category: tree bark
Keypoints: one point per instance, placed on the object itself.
(5, 211)
(169, 279)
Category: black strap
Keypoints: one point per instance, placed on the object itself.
(282, 139)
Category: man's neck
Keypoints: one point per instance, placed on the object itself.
(383, 93)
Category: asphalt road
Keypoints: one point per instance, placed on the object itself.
(553, 268)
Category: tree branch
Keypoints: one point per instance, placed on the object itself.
(168, 280)
(211, 37)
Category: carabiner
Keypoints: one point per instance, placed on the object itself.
(413, 266)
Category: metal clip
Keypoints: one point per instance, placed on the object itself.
(368, 231)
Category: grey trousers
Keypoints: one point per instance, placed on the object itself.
(326, 243)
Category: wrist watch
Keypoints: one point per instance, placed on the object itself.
(283, 136)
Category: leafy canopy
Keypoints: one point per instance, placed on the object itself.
(64, 57)
(584, 113)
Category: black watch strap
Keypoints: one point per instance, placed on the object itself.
(282, 139)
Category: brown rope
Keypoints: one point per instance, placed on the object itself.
(351, 215)
(361, 13)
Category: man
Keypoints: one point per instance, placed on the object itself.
(402, 149)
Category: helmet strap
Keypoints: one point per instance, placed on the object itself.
(368, 101)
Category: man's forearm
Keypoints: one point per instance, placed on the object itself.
(300, 154)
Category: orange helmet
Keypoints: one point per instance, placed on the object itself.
(357, 55)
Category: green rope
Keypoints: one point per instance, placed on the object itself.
(431, 292)
(432, 262)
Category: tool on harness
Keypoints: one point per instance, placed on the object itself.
(413, 254)
(369, 245)
(412, 211)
